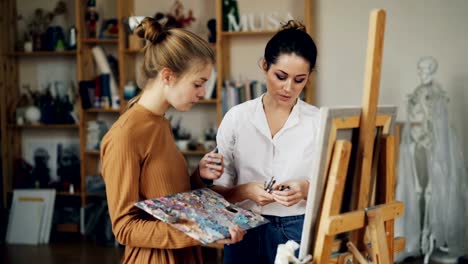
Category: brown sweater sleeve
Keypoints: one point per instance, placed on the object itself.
(121, 172)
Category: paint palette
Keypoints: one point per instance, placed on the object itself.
(202, 214)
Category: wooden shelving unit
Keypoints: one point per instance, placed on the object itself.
(10, 144)
(87, 70)
(223, 44)
(9, 94)
(11, 134)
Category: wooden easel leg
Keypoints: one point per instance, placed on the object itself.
(376, 229)
(387, 185)
(362, 179)
(332, 200)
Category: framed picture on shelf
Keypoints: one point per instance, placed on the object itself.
(52, 162)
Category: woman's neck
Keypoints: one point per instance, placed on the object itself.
(153, 98)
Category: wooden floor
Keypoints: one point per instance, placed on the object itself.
(73, 253)
(67, 252)
(77, 253)
(91, 253)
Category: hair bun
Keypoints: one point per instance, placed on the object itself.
(150, 29)
(294, 25)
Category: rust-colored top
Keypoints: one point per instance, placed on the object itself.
(141, 161)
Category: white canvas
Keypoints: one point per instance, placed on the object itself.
(47, 209)
(24, 225)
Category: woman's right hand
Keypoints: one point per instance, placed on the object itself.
(211, 166)
(256, 193)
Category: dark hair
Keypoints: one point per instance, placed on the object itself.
(292, 38)
(177, 49)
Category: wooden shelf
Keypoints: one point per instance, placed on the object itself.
(194, 152)
(93, 195)
(208, 101)
(248, 33)
(93, 152)
(45, 126)
(77, 194)
(100, 110)
(45, 53)
(133, 51)
(68, 228)
(98, 40)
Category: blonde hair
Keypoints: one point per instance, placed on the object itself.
(293, 24)
(177, 49)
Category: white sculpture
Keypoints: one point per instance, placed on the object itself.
(432, 177)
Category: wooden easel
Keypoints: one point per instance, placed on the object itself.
(371, 226)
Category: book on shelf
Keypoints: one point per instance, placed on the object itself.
(211, 85)
(96, 93)
(236, 92)
(201, 214)
(87, 88)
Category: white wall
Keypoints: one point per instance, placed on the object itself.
(414, 29)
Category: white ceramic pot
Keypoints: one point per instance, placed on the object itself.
(32, 115)
(182, 144)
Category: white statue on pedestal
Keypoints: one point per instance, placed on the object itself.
(432, 177)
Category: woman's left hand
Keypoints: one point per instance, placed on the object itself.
(296, 192)
(237, 234)
(211, 166)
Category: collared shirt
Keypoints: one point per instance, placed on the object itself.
(252, 155)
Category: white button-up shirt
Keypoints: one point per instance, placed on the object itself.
(252, 155)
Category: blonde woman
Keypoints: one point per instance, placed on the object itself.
(139, 157)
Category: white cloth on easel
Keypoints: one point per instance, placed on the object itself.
(409, 192)
(448, 183)
(431, 173)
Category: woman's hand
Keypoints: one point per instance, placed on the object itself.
(237, 234)
(211, 166)
(292, 193)
(255, 192)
